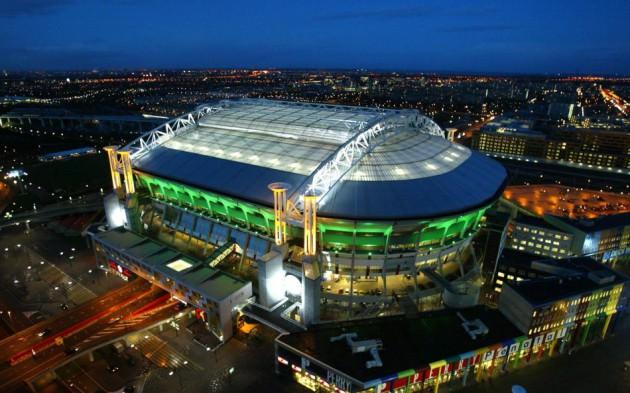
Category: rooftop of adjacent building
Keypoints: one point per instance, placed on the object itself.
(511, 126)
(407, 342)
(534, 221)
(563, 278)
(597, 224)
(557, 200)
(189, 272)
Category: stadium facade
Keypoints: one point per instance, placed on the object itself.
(349, 207)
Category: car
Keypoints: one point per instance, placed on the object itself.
(113, 368)
(181, 306)
(71, 351)
(44, 332)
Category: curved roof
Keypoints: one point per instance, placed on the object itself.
(242, 148)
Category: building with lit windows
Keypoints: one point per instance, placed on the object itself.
(559, 221)
(535, 235)
(580, 300)
(444, 349)
(605, 238)
(516, 266)
(329, 207)
(565, 305)
(591, 148)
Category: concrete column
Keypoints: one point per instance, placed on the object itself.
(271, 276)
(311, 289)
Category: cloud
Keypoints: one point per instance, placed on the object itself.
(13, 8)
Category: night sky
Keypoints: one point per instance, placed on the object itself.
(547, 36)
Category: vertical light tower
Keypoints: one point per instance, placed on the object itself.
(280, 211)
(311, 274)
(112, 156)
(125, 159)
(310, 224)
(271, 290)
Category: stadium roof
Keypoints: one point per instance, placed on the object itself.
(407, 171)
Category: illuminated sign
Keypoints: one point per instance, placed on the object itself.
(550, 336)
(341, 382)
(121, 271)
(526, 344)
(562, 332)
(221, 253)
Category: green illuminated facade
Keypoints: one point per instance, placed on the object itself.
(336, 235)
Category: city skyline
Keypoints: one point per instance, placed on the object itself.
(473, 37)
(336, 197)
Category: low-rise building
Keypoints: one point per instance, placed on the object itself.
(605, 238)
(579, 299)
(535, 235)
(216, 295)
(401, 354)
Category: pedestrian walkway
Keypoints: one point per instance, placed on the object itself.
(159, 352)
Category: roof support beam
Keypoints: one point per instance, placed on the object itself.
(168, 130)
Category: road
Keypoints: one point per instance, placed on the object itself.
(616, 101)
(28, 337)
(5, 195)
(129, 315)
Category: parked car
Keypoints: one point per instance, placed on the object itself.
(113, 368)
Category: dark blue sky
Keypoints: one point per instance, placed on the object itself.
(576, 36)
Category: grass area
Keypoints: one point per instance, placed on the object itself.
(71, 175)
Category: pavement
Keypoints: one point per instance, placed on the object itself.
(244, 363)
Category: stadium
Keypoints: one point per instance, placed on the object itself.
(339, 211)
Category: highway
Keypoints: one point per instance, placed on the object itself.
(619, 103)
(29, 337)
(90, 203)
(142, 310)
(5, 194)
